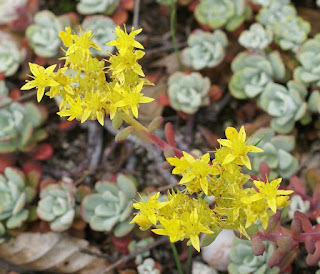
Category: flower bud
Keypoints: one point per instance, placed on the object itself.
(155, 123)
(123, 134)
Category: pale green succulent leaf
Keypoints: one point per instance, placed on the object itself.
(17, 220)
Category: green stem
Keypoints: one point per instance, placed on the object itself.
(176, 257)
(149, 136)
(189, 261)
(173, 33)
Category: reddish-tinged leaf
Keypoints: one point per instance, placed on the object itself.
(209, 136)
(15, 94)
(215, 93)
(193, 5)
(43, 152)
(127, 4)
(264, 170)
(45, 182)
(296, 184)
(163, 100)
(169, 133)
(255, 7)
(67, 125)
(154, 76)
(6, 160)
(122, 243)
(120, 16)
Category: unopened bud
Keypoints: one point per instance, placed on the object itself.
(123, 134)
(155, 123)
(258, 246)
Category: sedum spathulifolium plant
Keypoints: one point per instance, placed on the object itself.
(243, 261)
(257, 38)
(253, 72)
(236, 207)
(16, 193)
(103, 29)
(285, 104)
(277, 153)
(205, 49)
(43, 34)
(11, 10)
(229, 14)
(82, 84)
(11, 56)
(20, 125)
(110, 207)
(107, 7)
(188, 92)
(309, 57)
(57, 205)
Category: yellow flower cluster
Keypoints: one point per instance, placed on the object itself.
(235, 207)
(81, 82)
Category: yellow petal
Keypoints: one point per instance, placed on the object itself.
(231, 133)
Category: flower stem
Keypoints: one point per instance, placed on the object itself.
(149, 136)
(176, 257)
(189, 261)
(173, 33)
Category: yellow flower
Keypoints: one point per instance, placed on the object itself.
(238, 147)
(268, 192)
(171, 228)
(125, 41)
(196, 173)
(42, 78)
(75, 110)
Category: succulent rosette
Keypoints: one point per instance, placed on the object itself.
(256, 38)
(222, 13)
(16, 193)
(43, 35)
(20, 125)
(188, 92)
(205, 49)
(11, 55)
(274, 13)
(107, 7)
(10, 10)
(57, 205)
(253, 72)
(291, 32)
(103, 29)
(285, 104)
(109, 208)
(244, 261)
(277, 153)
(309, 57)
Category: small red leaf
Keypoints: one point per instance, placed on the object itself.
(43, 152)
(163, 100)
(169, 133)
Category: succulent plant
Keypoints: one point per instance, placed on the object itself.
(309, 57)
(57, 205)
(243, 261)
(103, 29)
(19, 125)
(97, 6)
(188, 92)
(16, 192)
(43, 35)
(11, 56)
(298, 204)
(318, 3)
(222, 13)
(110, 207)
(3, 89)
(205, 49)
(285, 104)
(276, 153)
(256, 38)
(134, 246)
(274, 13)
(2, 232)
(291, 32)
(314, 101)
(148, 267)
(266, 3)
(253, 72)
(11, 10)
